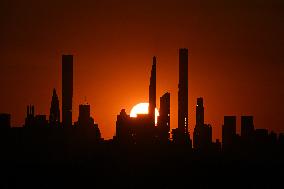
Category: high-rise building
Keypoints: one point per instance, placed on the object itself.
(183, 96)
(85, 125)
(202, 135)
(152, 93)
(54, 116)
(123, 128)
(84, 115)
(229, 132)
(164, 118)
(199, 112)
(247, 127)
(5, 121)
(67, 90)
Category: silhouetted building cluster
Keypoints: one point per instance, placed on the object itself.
(59, 135)
(142, 129)
(140, 152)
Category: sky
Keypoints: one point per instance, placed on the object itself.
(236, 58)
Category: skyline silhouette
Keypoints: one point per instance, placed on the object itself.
(78, 78)
(142, 128)
(235, 56)
(139, 149)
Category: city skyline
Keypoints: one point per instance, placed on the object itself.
(201, 134)
(235, 60)
(141, 94)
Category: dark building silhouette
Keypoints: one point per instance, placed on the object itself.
(229, 133)
(40, 121)
(152, 93)
(5, 121)
(67, 90)
(35, 121)
(199, 112)
(86, 124)
(164, 118)
(54, 115)
(30, 116)
(247, 127)
(140, 129)
(135, 130)
(147, 157)
(202, 135)
(124, 131)
(182, 133)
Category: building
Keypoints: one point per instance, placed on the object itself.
(124, 131)
(54, 115)
(67, 90)
(229, 135)
(199, 112)
(86, 126)
(183, 133)
(35, 121)
(140, 129)
(40, 121)
(5, 121)
(202, 135)
(30, 116)
(152, 93)
(164, 118)
(247, 127)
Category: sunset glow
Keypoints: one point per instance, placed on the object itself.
(142, 108)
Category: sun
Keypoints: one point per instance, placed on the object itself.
(142, 108)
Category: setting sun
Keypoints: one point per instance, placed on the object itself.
(142, 108)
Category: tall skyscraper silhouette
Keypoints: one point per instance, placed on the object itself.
(164, 118)
(199, 112)
(152, 93)
(85, 126)
(67, 90)
(183, 94)
(54, 116)
(247, 126)
(229, 133)
(202, 135)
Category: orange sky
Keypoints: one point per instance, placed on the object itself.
(235, 56)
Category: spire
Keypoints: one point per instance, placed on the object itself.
(54, 117)
(152, 92)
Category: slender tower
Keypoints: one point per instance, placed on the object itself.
(199, 112)
(183, 93)
(67, 90)
(54, 116)
(152, 93)
(164, 118)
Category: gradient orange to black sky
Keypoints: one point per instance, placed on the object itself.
(236, 59)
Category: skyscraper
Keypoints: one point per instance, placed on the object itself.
(54, 116)
(152, 93)
(202, 135)
(183, 94)
(199, 112)
(85, 126)
(67, 90)
(164, 118)
(229, 133)
(247, 127)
